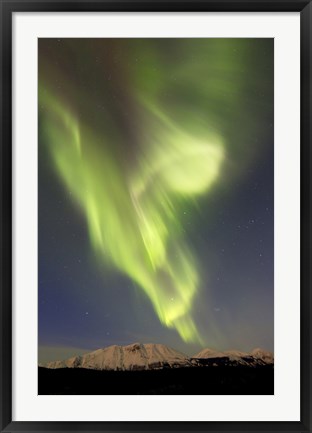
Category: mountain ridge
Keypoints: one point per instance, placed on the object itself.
(150, 356)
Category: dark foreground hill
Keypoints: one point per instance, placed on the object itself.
(204, 380)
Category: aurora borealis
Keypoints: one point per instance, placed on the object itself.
(143, 145)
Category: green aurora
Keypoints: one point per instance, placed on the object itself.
(132, 182)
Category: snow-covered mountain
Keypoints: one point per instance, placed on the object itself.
(139, 356)
(135, 356)
(234, 357)
(210, 353)
(267, 357)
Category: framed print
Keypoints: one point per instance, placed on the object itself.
(155, 216)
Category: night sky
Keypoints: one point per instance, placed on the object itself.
(156, 194)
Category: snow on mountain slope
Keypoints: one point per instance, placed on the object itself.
(256, 357)
(139, 356)
(132, 357)
(235, 354)
(267, 357)
(209, 353)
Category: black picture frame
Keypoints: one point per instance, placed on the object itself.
(7, 9)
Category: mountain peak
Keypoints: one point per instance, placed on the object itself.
(263, 354)
(256, 357)
(139, 356)
(135, 356)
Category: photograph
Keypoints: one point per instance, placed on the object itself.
(156, 216)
